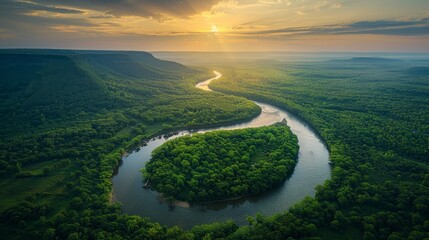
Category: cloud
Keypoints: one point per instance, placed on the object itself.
(270, 1)
(101, 16)
(22, 7)
(383, 24)
(141, 8)
(337, 5)
(381, 27)
(307, 7)
(5, 33)
(29, 19)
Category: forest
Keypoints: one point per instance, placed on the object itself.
(67, 117)
(373, 115)
(223, 164)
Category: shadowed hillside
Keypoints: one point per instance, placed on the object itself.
(29, 74)
(66, 117)
(60, 84)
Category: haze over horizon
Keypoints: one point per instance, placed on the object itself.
(217, 25)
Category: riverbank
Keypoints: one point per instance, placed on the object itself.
(212, 177)
(311, 170)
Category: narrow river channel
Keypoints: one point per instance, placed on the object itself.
(311, 170)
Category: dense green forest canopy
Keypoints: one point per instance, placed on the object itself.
(223, 164)
(373, 114)
(66, 117)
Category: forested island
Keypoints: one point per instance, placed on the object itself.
(224, 164)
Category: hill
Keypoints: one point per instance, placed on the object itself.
(66, 118)
(369, 60)
(40, 74)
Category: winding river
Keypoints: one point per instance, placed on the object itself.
(311, 170)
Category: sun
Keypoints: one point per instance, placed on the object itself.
(214, 29)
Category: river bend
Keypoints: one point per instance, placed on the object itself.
(311, 170)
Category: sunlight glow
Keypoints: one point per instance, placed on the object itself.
(245, 25)
(214, 29)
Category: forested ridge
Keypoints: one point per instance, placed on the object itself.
(66, 119)
(374, 118)
(224, 164)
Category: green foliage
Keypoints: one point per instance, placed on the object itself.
(373, 116)
(74, 114)
(66, 118)
(223, 164)
(214, 231)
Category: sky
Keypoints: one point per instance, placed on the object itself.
(217, 25)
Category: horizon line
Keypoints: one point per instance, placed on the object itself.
(190, 51)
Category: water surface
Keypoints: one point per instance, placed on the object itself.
(311, 170)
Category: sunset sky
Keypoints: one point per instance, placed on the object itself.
(212, 25)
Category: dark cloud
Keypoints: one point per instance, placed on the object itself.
(382, 27)
(411, 31)
(57, 21)
(143, 8)
(381, 24)
(102, 17)
(15, 19)
(23, 7)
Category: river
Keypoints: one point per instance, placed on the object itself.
(311, 170)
